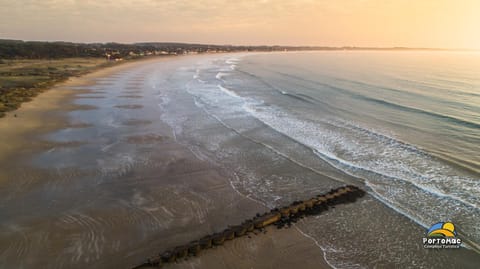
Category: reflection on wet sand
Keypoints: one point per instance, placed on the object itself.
(133, 122)
(129, 106)
(130, 96)
(91, 194)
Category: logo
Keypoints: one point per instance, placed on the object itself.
(442, 235)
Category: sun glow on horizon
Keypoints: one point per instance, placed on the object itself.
(367, 23)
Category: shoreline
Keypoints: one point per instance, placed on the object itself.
(50, 102)
(49, 112)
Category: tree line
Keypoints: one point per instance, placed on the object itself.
(17, 49)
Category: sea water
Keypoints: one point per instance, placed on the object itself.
(405, 124)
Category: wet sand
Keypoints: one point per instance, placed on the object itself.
(104, 183)
(47, 112)
(269, 249)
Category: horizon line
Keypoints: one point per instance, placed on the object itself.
(344, 47)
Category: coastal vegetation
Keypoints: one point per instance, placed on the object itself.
(21, 80)
(17, 49)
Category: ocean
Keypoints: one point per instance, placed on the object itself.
(406, 125)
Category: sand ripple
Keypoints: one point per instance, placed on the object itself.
(136, 122)
(130, 96)
(129, 106)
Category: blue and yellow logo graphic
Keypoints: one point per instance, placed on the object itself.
(442, 235)
(442, 229)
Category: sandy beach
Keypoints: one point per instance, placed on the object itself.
(115, 212)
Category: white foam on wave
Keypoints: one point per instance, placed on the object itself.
(232, 61)
(400, 175)
(197, 74)
(355, 147)
(361, 150)
(228, 91)
(220, 75)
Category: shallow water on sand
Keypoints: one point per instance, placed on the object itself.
(168, 151)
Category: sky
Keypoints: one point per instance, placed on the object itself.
(365, 23)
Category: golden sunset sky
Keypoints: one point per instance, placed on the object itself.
(378, 23)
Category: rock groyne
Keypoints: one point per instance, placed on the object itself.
(280, 217)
